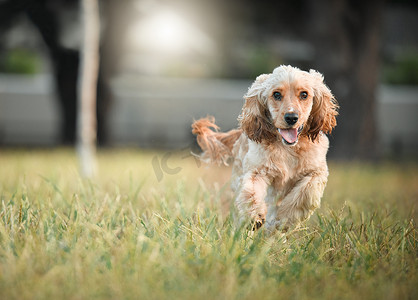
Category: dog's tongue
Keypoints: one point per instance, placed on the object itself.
(290, 135)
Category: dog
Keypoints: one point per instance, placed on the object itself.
(279, 149)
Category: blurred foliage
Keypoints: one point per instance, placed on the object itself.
(19, 61)
(261, 59)
(248, 63)
(404, 71)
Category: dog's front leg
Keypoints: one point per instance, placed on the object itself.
(300, 203)
(250, 200)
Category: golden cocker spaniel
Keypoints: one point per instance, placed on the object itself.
(279, 149)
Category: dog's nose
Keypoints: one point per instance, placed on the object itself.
(291, 118)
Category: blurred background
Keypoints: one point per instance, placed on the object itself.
(165, 63)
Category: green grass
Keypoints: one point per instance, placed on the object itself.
(137, 232)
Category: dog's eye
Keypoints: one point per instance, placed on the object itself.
(277, 96)
(303, 95)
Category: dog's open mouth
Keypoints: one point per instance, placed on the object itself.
(290, 135)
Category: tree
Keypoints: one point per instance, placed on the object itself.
(45, 16)
(87, 85)
(347, 40)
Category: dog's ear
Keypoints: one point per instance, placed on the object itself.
(255, 119)
(324, 109)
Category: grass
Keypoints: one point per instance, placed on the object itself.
(153, 225)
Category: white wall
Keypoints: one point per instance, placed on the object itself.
(157, 112)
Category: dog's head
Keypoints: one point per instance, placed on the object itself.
(287, 104)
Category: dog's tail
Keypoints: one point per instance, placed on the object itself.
(216, 146)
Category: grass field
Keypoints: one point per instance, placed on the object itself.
(158, 225)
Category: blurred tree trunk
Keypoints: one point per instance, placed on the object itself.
(87, 121)
(346, 35)
(65, 61)
(117, 15)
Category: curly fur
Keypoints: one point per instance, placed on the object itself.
(278, 180)
(216, 146)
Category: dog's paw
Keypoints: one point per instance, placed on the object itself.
(258, 222)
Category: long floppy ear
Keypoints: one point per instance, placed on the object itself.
(324, 109)
(255, 119)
